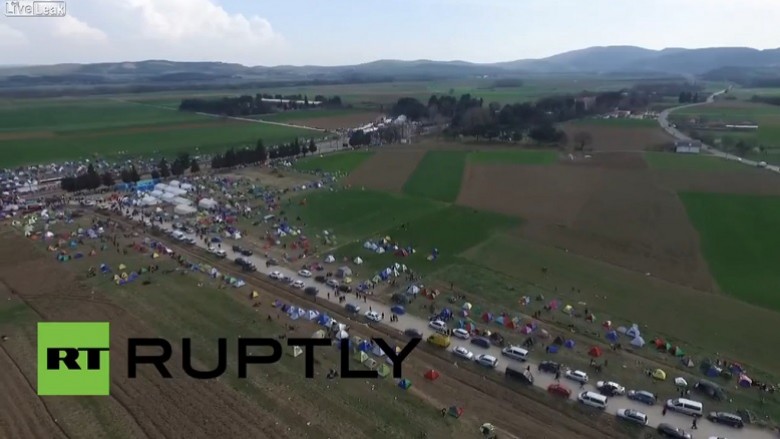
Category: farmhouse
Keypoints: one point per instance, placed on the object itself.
(687, 146)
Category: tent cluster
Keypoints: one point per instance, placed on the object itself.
(386, 245)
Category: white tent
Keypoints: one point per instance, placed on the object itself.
(296, 351)
(183, 209)
(207, 203)
(156, 193)
(174, 183)
(182, 200)
(186, 186)
(149, 201)
(160, 187)
(175, 191)
(357, 260)
(330, 259)
(168, 197)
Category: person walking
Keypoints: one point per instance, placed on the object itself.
(693, 425)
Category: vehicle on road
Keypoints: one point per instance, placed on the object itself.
(320, 279)
(631, 415)
(593, 399)
(686, 406)
(311, 291)
(275, 275)
(218, 252)
(462, 352)
(559, 390)
(487, 360)
(515, 353)
(522, 375)
(440, 340)
(437, 325)
(352, 308)
(373, 316)
(724, 418)
(333, 283)
(304, 273)
(461, 333)
(246, 252)
(298, 284)
(481, 342)
(670, 431)
(642, 396)
(576, 375)
(286, 279)
(413, 333)
(549, 367)
(610, 388)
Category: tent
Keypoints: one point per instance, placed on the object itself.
(569, 344)
(398, 309)
(613, 336)
(455, 411)
(404, 384)
(360, 356)
(184, 209)
(638, 341)
(357, 261)
(680, 382)
(558, 340)
(207, 203)
(432, 375)
(552, 349)
(633, 331)
(659, 375)
(567, 309)
(344, 272)
(595, 351)
(329, 259)
(677, 352)
(713, 371)
(384, 370)
(318, 334)
(745, 381)
(254, 295)
(296, 351)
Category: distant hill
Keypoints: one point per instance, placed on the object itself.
(608, 61)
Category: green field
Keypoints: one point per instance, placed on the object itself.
(51, 130)
(740, 242)
(669, 161)
(438, 176)
(338, 163)
(308, 114)
(617, 122)
(514, 157)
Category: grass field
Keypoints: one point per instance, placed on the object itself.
(294, 115)
(514, 157)
(617, 122)
(46, 131)
(438, 176)
(341, 163)
(740, 242)
(668, 161)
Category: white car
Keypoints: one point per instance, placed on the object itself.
(577, 375)
(275, 275)
(610, 387)
(304, 273)
(515, 353)
(462, 352)
(487, 360)
(437, 325)
(333, 283)
(373, 316)
(298, 284)
(632, 416)
(461, 333)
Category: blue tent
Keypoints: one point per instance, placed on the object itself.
(404, 384)
(445, 314)
(105, 268)
(365, 346)
(613, 336)
(398, 309)
(323, 320)
(713, 371)
(569, 344)
(552, 349)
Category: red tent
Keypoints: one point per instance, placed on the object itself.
(432, 375)
(660, 343)
(595, 351)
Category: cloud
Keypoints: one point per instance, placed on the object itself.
(130, 30)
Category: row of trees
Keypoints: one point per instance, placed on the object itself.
(688, 97)
(247, 105)
(260, 153)
(88, 180)
(92, 180)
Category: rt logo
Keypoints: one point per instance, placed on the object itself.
(73, 359)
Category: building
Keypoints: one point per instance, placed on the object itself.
(687, 146)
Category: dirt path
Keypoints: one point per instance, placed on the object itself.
(243, 119)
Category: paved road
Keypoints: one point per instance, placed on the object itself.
(705, 430)
(663, 119)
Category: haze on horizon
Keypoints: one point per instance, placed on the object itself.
(340, 32)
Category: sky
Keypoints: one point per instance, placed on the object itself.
(340, 32)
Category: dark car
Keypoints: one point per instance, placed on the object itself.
(559, 390)
(319, 279)
(413, 333)
(609, 389)
(524, 376)
(642, 396)
(246, 252)
(249, 267)
(724, 418)
(481, 342)
(345, 288)
(710, 389)
(311, 291)
(237, 248)
(240, 261)
(667, 430)
(271, 261)
(549, 367)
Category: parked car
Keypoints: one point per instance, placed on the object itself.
(352, 308)
(610, 388)
(237, 248)
(249, 267)
(634, 416)
(487, 360)
(373, 316)
(461, 333)
(724, 418)
(311, 291)
(298, 284)
(246, 252)
(304, 273)
(481, 342)
(642, 396)
(333, 283)
(320, 279)
(275, 275)
(549, 367)
(559, 390)
(413, 333)
(286, 279)
(218, 252)
(345, 288)
(463, 353)
(668, 430)
(515, 353)
(522, 375)
(270, 262)
(437, 325)
(576, 375)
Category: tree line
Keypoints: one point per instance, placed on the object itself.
(686, 97)
(90, 179)
(771, 100)
(260, 153)
(246, 105)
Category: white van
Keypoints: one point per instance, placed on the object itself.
(593, 399)
(515, 353)
(686, 407)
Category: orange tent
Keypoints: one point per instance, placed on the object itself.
(595, 351)
(432, 375)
